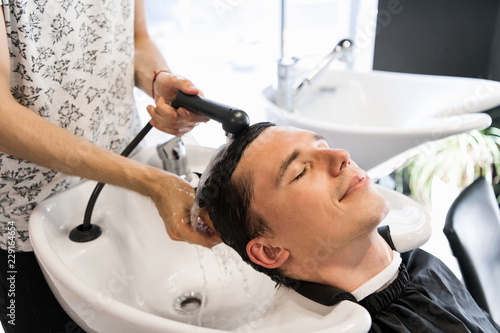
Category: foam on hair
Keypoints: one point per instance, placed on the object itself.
(196, 221)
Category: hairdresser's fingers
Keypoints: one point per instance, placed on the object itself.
(174, 198)
(167, 85)
(191, 116)
(176, 132)
(187, 87)
(185, 232)
(204, 225)
(182, 230)
(165, 118)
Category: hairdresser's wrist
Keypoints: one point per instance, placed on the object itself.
(157, 183)
(156, 74)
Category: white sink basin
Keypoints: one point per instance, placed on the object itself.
(377, 115)
(132, 278)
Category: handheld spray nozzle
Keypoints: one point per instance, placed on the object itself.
(233, 121)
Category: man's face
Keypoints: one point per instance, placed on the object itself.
(308, 193)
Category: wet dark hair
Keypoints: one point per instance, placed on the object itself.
(228, 201)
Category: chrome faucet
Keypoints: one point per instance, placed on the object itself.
(288, 89)
(174, 157)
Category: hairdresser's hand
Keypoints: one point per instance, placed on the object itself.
(163, 116)
(174, 198)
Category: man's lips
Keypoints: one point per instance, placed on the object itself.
(357, 182)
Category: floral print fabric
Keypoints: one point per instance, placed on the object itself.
(71, 63)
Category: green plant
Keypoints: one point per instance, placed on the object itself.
(457, 161)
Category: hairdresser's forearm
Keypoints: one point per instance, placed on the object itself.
(148, 60)
(26, 135)
(148, 57)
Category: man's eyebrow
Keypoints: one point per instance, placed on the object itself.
(292, 157)
(284, 166)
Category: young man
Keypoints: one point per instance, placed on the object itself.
(282, 198)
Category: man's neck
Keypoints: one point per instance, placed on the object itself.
(351, 267)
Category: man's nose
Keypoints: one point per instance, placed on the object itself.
(336, 160)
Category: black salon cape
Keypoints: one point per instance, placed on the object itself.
(425, 297)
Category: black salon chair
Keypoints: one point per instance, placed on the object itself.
(473, 231)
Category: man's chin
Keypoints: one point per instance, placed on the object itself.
(379, 203)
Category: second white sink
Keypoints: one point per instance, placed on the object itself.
(377, 115)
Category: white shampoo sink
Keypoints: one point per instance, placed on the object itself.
(133, 278)
(378, 115)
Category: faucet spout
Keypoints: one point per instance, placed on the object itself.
(288, 90)
(342, 51)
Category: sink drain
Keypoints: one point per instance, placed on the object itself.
(189, 303)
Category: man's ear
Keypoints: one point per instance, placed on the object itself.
(264, 254)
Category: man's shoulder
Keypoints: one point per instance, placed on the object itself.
(421, 265)
(419, 259)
